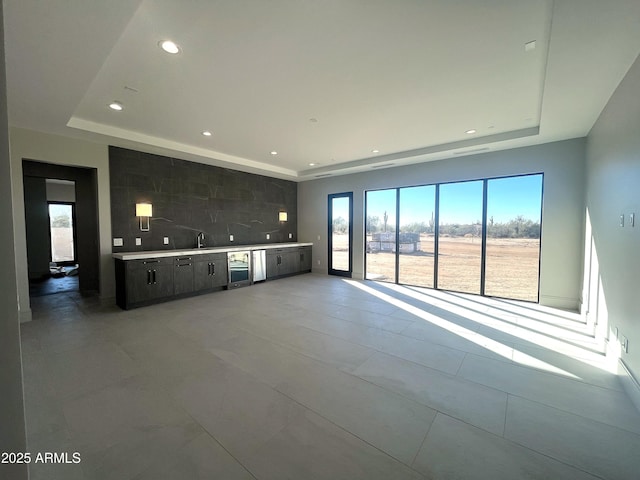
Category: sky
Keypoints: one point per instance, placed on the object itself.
(460, 202)
(56, 209)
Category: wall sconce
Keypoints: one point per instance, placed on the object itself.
(144, 211)
(282, 216)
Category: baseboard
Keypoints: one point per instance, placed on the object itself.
(629, 382)
(25, 315)
(107, 301)
(564, 303)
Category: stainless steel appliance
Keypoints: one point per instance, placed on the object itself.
(259, 265)
(239, 268)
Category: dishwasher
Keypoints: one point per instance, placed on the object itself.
(259, 261)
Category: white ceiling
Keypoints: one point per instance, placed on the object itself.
(323, 82)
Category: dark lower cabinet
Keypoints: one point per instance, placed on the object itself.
(210, 272)
(153, 280)
(305, 259)
(183, 281)
(146, 281)
(282, 262)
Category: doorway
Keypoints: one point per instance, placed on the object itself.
(341, 234)
(61, 217)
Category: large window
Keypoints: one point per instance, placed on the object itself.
(480, 236)
(380, 251)
(417, 235)
(513, 237)
(460, 237)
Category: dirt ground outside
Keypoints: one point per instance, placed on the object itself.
(62, 244)
(511, 268)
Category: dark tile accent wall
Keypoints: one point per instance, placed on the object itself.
(190, 197)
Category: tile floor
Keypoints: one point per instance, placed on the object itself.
(318, 377)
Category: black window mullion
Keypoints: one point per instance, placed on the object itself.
(483, 255)
(397, 273)
(436, 234)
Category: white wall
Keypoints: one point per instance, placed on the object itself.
(613, 186)
(57, 192)
(563, 207)
(31, 145)
(12, 421)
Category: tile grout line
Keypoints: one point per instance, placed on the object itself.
(297, 402)
(515, 442)
(424, 439)
(566, 412)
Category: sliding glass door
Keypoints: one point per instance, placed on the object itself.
(480, 236)
(460, 237)
(380, 241)
(416, 251)
(513, 237)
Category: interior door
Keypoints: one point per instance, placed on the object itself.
(340, 235)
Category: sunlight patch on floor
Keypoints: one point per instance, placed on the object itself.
(474, 337)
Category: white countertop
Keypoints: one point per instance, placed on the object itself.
(200, 251)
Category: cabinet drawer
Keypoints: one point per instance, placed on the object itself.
(210, 257)
(181, 261)
(148, 263)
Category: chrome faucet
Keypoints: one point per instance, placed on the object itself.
(200, 239)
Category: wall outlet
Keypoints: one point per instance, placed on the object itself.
(268, 236)
(624, 344)
(318, 237)
(117, 242)
(622, 220)
(291, 235)
(138, 241)
(632, 219)
(318, 262)
(165, 240)
(231, 238)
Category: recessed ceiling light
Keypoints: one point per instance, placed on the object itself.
(375, 151)
(273, 152)
(117, 106)
(312, 164)
(169, 46)
(206, 133)
(473, 130)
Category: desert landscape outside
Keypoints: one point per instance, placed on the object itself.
(512, 266)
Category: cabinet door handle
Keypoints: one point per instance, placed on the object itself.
(154, 277)
(213, 269)
(151, 261)
(148, 277)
